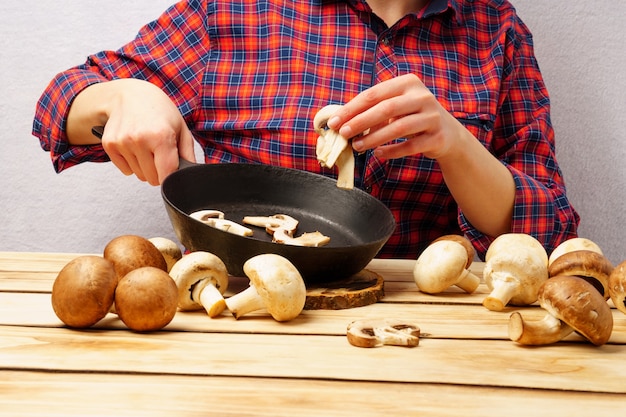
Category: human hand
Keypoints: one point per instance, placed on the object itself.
(402, 107)
(145, 133)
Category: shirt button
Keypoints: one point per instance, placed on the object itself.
(385, 41)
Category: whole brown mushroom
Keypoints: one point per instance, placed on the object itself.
(586, 264)
(617, 286)
(83, 291)
(129, 252)
(146, 299)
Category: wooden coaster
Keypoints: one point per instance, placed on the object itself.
(361, 289)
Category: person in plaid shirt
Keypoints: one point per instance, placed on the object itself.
(444, 100)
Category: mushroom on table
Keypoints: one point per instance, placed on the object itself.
(617, 286)
(587, 264)
(370, 333)
(442, 264)
(168, 248)
(571, 304)
(201, 278)
(516, 265)
(128, 252)
(275, 285)
(571, 245)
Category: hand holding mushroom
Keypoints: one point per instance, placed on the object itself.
(515, 267)
(275, 285)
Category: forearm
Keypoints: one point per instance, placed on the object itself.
(481, 185)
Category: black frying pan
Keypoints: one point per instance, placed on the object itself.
(357, 223)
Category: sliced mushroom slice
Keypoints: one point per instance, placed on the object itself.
(204, 215)
(229, 226)
(311, 239)
(272, 223)
(332, 148)
(374, 333)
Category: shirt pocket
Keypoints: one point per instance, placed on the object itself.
(479, 124)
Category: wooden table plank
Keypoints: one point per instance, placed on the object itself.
(569, 366)
(27, 394)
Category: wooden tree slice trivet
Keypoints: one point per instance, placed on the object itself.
(361, 289)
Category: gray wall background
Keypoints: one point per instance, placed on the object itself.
(580, 45)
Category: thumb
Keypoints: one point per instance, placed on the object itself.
(185, 145)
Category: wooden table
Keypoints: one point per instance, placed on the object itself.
(197, 366)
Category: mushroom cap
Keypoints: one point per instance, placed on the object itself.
(509, 242)
(471, 252)
(440, 266)
(146, 299)
(168, 248)
(278, 283)
(573, 244)
(617, 286)
(589, 265)
(195, 269)
(577, 303)
(128, 252)
(83, 291)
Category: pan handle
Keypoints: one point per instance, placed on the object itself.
(98, 131)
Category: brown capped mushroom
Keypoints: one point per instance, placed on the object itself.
(516, 266)
(617, 286)
(573, 244)
(275, 285)
(128, 252)
(589, 265)
(374, 333)
(444, 264)
(202, 279)
(145, 299)
(571, 304)
(333, 149)
(168, 248)
(83, 291)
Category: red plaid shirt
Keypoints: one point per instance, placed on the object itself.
(248, 76)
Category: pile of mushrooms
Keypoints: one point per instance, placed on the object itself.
(129, 279)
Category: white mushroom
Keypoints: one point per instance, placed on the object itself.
(169, 249)
(374, 333)
(571, 245)
(312, 239)
(275, 285)
(516, 266)
(333, 149)
(201, 278)
(444, 264)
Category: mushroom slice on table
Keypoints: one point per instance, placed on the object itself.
(275, 285)
(333, 149)
(516, 266)
(375, 332)
(589, 265)
(202, 279)
(571, 245)
(169, 249)
(617, 286)
(571, 304)
(443, 264)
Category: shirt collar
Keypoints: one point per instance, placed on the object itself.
(433, 8)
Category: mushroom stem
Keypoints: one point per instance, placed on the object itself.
(548, 330)
(505, 287)
(468, 282)
(245, 302)
(210, 298)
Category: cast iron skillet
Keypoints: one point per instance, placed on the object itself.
(357, 223)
